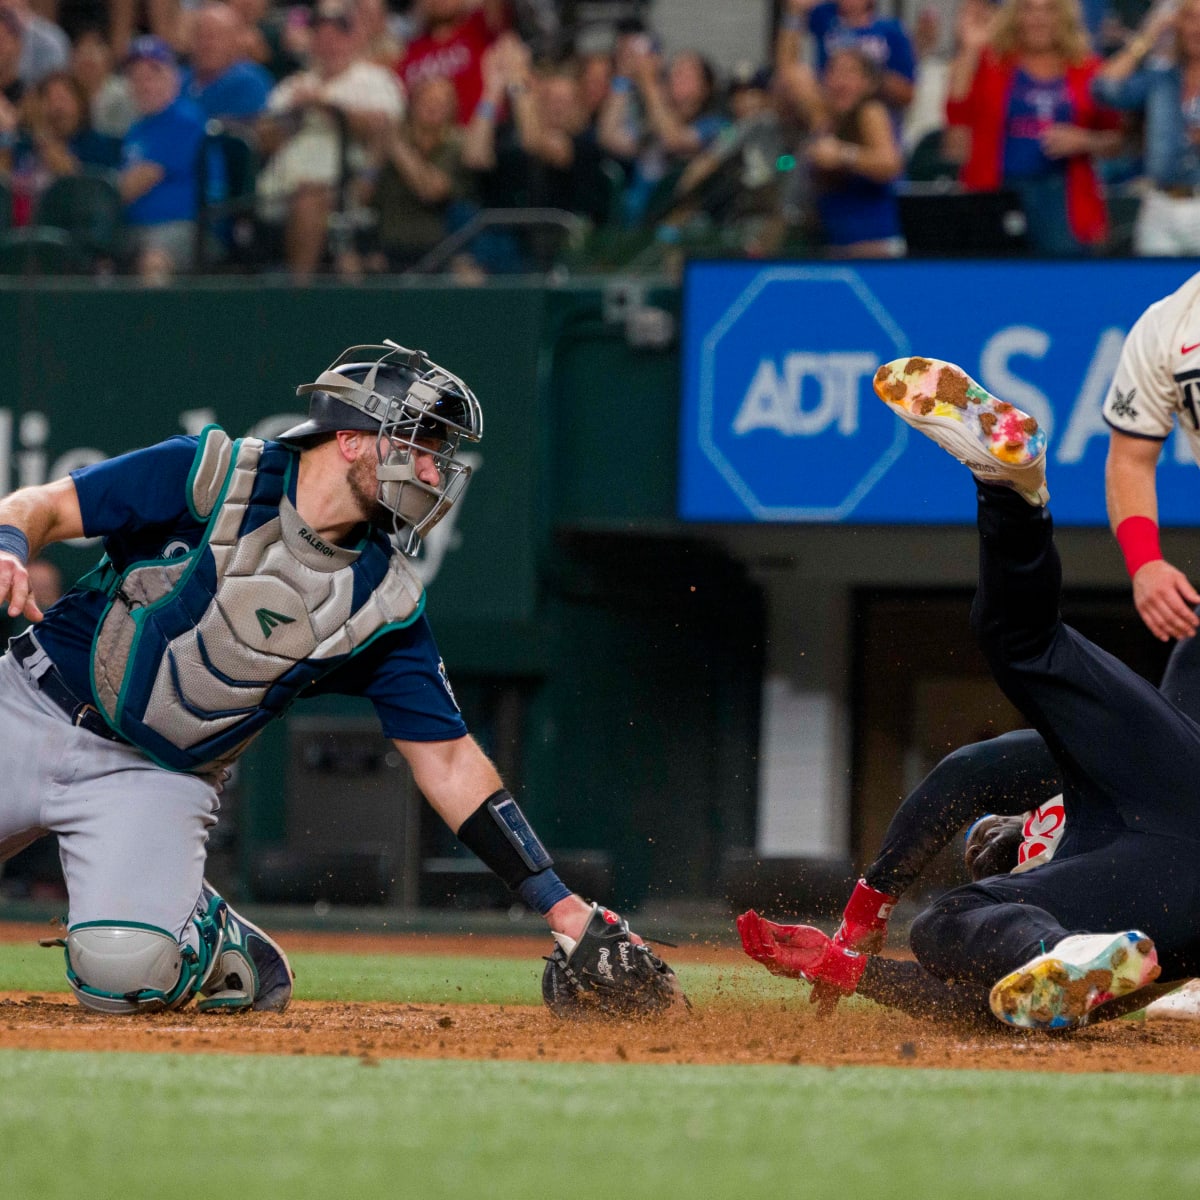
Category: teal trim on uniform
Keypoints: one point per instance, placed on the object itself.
(196, 461)
(188, 564)
(101, 578)
(138, 616)
(121, 925)
(289, 470)
(194, 966)
(391, 626)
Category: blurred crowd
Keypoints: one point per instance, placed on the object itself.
(484, 137)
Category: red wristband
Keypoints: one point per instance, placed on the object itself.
(1138, 539)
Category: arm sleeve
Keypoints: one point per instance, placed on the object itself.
(962, 112)
(900, 53)
(403, 676)
(820, 17)
(143, 488)
(1143, 397)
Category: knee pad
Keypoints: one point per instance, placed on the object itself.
(118, 968)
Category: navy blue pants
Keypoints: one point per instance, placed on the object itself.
(1129, 762)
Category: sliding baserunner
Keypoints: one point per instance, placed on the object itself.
(1074, 938)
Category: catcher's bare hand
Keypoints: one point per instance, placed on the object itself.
(571, 915)
(1164, 599)
(14, 586)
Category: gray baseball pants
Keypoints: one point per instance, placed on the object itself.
(132, 835)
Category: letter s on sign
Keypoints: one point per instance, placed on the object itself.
(1003, 345)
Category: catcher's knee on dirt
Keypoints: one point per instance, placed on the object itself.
(126, 968)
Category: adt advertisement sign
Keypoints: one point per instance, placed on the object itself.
(780, 422)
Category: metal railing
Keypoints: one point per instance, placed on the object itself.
(575, 228)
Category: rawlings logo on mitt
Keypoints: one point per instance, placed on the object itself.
(607, 974)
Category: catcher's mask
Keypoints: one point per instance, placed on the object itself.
(412, 406)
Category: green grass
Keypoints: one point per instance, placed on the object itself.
(415, 978)
(133, 1126)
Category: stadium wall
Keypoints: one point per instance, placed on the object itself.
(668, 697)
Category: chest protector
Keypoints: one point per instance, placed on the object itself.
(195, 654)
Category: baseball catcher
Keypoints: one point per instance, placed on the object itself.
(241, 575)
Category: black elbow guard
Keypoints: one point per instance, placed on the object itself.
(498, 833)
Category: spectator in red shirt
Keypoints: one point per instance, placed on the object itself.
(1020, 83)
(456, 33)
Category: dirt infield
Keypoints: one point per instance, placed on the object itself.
(716, 1033)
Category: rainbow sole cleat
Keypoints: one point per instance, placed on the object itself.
(997, 441)
(1059, 990)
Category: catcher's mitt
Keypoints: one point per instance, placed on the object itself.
(607, 974)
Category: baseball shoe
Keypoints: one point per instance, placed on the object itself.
(996, 441)
(801, 952)
(1176, 1002)
(251, 969)
(1059, 989)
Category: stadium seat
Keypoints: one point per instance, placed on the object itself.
(88, 208)
(1124, 203)
(926, 163)
(226, 174)
(614, 178)
(38, 250)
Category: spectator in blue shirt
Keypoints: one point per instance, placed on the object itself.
(657, 121)
(854, 24)
(1165, 89)
(158, 179)
(221, 81)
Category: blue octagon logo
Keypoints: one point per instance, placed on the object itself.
(787, 414)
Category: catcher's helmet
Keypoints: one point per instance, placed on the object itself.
(410, 404)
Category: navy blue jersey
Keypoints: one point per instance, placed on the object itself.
(138, 504)
(883, 40)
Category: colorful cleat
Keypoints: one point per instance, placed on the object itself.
(1060, 989)
(997, 441)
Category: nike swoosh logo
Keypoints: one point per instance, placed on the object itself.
(1189, 349)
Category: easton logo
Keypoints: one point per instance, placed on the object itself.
(267, 620)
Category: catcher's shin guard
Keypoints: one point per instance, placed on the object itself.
(606, 973)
